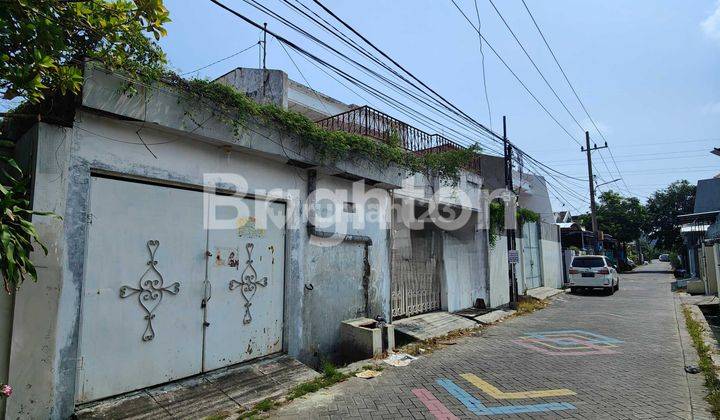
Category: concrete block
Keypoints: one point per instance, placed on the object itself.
(362, 338)
(696, 287)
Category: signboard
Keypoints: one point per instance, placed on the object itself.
(513, 256)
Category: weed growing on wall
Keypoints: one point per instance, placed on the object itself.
(238, 109)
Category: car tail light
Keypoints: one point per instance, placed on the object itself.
(604, 271)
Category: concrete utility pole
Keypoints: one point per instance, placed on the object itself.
(591, 182)
(510, 233)
(264, 43)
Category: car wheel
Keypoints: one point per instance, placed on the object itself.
(610, 290)
(617, 285)
(573, 290)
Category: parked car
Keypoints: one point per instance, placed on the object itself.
(591, 272)
(664, 257)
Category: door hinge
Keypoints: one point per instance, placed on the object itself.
(88, 218)
(206, 324)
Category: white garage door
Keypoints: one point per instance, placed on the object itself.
(149, 313)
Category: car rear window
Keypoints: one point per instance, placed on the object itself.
(588, 262)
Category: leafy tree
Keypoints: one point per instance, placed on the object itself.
(43, 45)
(44, 42)
(663, 207)
(622, 217)
(17, 233)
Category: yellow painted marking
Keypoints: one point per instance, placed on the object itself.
(500, 395)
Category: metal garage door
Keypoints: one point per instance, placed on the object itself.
(531, 255)
(157, 305)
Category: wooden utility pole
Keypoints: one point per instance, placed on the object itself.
(510, 233)
(591, 181)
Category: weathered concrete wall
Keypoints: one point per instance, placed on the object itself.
(34, 364)
(498, 263)
(336, 269)
(334, 293)
(163, 106)
(43, 361)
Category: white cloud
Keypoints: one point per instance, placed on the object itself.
(711, 24)
(712, 108)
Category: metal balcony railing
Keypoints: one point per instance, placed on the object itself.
(367, 121)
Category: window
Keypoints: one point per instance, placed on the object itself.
(588, 262)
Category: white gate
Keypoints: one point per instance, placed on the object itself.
(532, 269)
(149, 314)
(245, 275)
(415, 284)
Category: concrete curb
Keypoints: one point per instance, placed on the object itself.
(696, 387)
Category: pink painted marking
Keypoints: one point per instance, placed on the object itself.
(433, 405)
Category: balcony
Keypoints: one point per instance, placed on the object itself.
(369, 122)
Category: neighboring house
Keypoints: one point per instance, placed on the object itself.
(141, 288)
(563, 216)
(699, 230)
(537, 243)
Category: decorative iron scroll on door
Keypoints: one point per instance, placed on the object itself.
(150, 290)
(248, 283)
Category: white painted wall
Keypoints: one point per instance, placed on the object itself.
(498, 262)
(552, 269)
(463, 282)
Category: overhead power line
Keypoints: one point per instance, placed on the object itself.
(222, 59)
(364, 86)
(507, 66)
(522, 47)
(577, 96)
(482, 63)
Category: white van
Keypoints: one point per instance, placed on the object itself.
(591, 272)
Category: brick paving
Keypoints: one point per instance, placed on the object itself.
(638, 373)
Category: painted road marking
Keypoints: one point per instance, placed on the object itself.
(569, 343)
(500, 395)
(433, 405)
(477, 407)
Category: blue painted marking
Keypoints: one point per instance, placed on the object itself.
(598, 339)
(477, 407)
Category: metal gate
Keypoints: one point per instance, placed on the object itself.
(532, 265)
(415, 281)
(163, 298)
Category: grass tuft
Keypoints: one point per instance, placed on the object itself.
(712, 383)
(331, 376)
(528, 305)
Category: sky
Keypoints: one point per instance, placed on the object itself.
(646, 70)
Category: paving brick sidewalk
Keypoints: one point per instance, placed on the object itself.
(621, 355)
